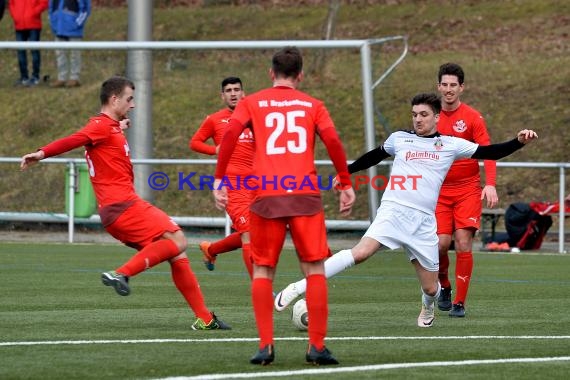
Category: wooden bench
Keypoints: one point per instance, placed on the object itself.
(490, 216)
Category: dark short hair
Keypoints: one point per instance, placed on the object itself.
(287, 62)
(429, 99)
(114, 86)
(231, 80)
(451, 69)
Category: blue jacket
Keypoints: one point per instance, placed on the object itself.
(67, 17)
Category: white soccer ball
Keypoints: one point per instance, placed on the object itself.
(300, 315)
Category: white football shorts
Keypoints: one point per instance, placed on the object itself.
(397, 226)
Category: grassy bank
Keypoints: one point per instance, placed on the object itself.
(515, 53)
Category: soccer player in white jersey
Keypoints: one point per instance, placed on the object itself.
(405, 218)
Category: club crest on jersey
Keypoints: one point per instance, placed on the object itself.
(246, 136)
(438, 144)
(460, 126)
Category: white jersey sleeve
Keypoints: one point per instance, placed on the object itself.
(465, 149)
(389, 145)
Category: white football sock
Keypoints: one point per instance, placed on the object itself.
(338, 262)
(333, 265)
(430, 300)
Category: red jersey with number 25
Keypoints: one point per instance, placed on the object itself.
(285, 122)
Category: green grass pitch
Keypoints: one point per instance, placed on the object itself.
(57, 321)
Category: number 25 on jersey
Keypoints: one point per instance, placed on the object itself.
(296, 135)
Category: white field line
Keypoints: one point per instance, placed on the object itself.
(377, 367)
(230, 340)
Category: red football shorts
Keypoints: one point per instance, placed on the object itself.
(238, 208)
(458, 208)
(307, 231)
(141, 224)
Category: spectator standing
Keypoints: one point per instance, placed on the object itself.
(27, 17)
(67, 19)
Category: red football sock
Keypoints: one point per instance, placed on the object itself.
(151, 255)
(187, 284)
(246, 256)
(262, 299)
(227, 244)
(318, 308)
(463, 271)
(444, 271)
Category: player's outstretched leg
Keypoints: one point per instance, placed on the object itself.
(333, 265)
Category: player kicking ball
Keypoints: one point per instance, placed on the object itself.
(126, 216)
(405, 218)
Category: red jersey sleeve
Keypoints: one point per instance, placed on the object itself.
(337, 154)
(205, 132)
(92, 134)
(66, 144)
(227, 146)
(328, 134)
(481, 137)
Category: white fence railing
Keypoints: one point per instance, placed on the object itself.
(223, 222)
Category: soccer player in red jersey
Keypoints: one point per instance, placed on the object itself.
(240, 166)
(459, 206)
(125, 215)
(285, 122)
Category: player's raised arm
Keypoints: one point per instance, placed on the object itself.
(57, 147)
(368, 159)
(498, 151)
